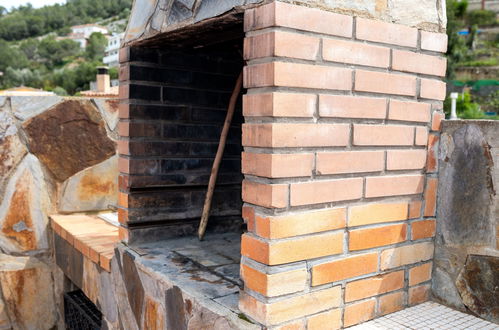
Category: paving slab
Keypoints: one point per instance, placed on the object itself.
(429, 315)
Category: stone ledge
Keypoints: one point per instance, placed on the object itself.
(90, 235)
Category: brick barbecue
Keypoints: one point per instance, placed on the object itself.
(333, 150)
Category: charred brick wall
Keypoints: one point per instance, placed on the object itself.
(173, 105)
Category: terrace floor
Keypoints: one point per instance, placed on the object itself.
(427, 316)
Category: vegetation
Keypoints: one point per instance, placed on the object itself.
(472, 50)
(47, 62)
(467, 109)
(481, 17)
(27, 22)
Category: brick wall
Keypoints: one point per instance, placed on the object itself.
(172, 110)
(340, 186)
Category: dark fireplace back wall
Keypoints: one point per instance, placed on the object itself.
(173, 107)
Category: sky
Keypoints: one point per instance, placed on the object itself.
(36, 3)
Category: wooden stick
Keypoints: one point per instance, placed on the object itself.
(218, 157)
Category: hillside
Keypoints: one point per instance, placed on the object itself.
(35, 50)
(473, 60)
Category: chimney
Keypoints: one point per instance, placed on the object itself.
(103, 82)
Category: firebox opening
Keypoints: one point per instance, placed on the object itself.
(178, 99)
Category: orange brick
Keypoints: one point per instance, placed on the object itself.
(405, 255)
(405, 159)
(330, 319)
(124, 128)
(361, 239)
(436, 42)
(373, 286)
(382, 135)
(326, 191)
(298, 17)
(122, 199)
(277, 165)
(359, 312)
(105, 261)
(124, 164)
(432, 160)
(294, 325)
(432, 89)
(419, 274)
(344, 268)
(267, 195)
(409, 111)
(376, 213)
(279, 105)
(295, 135)
(388, 33)
(302, 223)
(391, 303)
(419, 63)
(419, 294)
(296, 249)
(344, 106)
(355, 53)
(431, 197)
(279, 43)
(123, 234)
(394, 185)
(122, 215)
(386, 83)
(248, 215)
(350, 162)
(415, 209)
(123, 91)
(436, 120)
(124, 111)
(124, 147)
(423, 229)
(288, 74)
(290, 308)
(421, 136)
(271, 285)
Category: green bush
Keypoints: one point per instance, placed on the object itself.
(481, 17)
(466, 108)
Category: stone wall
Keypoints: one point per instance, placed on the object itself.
(466, 266)
(56, 155)
(151, 18)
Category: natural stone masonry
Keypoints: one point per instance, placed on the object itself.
(73, 130)
(151, 18)
(339, 199)
(27, 304)
(44, 141)
(466, 269)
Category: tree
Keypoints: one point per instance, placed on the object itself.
(96, 46)
(11, 57)
(456, 49)
(26, 21)
(30, 48)
(54, 52)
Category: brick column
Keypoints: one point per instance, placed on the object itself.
(338, 114)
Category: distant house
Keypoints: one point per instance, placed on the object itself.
(112, 49)
(81, 33)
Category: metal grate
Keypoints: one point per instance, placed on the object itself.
(80, 313)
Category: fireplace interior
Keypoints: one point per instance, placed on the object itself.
(178, 90)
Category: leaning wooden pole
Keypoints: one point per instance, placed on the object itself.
(218, 157)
